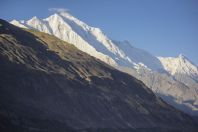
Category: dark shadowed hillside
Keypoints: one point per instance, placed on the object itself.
(49, 85)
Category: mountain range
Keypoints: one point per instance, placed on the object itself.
(173, 79)
(49, 85)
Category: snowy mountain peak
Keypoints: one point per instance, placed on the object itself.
(55, 17)
(34, 20)
(73, 19)
(180, 64)
(182, 69)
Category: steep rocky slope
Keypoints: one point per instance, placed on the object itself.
(49, 85)
(168, 88)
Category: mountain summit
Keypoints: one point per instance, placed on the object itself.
(183, 70)
(179, 65)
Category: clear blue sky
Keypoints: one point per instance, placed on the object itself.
(162, 27)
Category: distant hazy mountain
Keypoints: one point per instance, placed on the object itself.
(177, 88)
(49, 85)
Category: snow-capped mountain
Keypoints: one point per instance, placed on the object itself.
(179, 65)
(182, 69)
(175, 79)
(90, 40)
